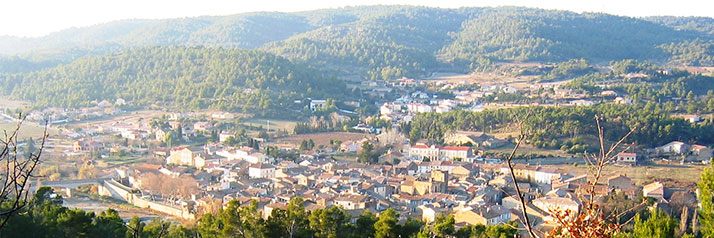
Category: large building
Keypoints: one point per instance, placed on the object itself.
(193, 157)
(440, 153)
(261, 170)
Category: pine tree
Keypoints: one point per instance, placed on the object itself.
(706, 193)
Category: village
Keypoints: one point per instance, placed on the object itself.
(185, 164)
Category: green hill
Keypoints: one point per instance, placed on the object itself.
(185, 77)
(372, 42)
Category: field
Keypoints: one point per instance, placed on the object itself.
(323, 138)
(683, 175)
(529, 149)
(274, 124)
(131, 118)
(12, 104)
(483, 79)
(26, 131)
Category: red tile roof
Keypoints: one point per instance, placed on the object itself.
(461, 148)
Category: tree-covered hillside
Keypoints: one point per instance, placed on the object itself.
(393, 41)
(522, 34)
(700, 24)
(373, 42)
(190, 77)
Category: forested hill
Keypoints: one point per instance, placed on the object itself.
(379, 42)
(387, 41)
(190, 77)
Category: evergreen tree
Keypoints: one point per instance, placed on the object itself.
(706, 194)
(657, 225)
(386, 226)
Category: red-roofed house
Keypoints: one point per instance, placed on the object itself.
(626, 158)
(436, 152)
(701, 153)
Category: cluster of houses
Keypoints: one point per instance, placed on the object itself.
(429, 182)
(55, 115)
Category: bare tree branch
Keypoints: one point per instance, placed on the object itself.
(521, 137)
(17, 173)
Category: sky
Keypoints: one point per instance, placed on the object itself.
(32, 18)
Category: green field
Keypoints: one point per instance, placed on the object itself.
(274, 124)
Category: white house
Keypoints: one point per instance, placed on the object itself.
(674, 147)
(261, 170)
(317, 104)
(626, 158)
(546, 175)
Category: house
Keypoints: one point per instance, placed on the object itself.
(692, 118)
(624, 158)
(187, 156)
(511, 202)
(120, 102)
(160, 134)
(224, 135)
(430, 212)
(546, 175)
(350, 146)
(493, 143)
(436, 153)
(465, 138)
(654, 190)
(509, 89)
(268, 209)
(482, 215)
(317, 104)
(87, 145)
(608, 93)
(620, 182)
(202, 126)
(465, 171)
(424, 151)
(406, 167)
(351, 201)
(621, 100)
(674, 147)
(454, 152)
(261, 170)
(419, 108)
(581, 102)
(104, 103)
(222, 115)
(701, 153)
(390, 108)
(558, 204)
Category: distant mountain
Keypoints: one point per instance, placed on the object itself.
(381, 42)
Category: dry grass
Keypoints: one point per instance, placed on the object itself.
(12, 104)
(484, 79)
(132, 118)
(27, 130)
(684, 175)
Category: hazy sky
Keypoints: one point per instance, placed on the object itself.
(40, 17)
